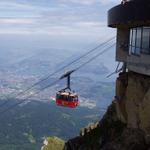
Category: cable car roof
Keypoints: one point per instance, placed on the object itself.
(67, 93)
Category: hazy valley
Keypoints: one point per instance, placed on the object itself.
(28, 124)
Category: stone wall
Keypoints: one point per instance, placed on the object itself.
(133, 100)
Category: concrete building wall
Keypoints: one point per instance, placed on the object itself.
(139, 68)
(122, 44)
(139, 64)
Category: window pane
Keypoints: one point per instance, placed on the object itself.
(145, 40)
(137, 50)
(133, 40)
(138, 37)
(131, 37)
(134, 37)
(138, 41)
(130, 46)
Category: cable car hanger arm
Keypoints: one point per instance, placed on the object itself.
(67, 75)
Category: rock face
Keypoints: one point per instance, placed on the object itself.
(133, 101)
(126, 124)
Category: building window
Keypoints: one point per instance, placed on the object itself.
(146, 40)
(130, 45)
(139, 40)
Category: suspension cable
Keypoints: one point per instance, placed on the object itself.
(22, 101)
(58, 70)
(94, 57)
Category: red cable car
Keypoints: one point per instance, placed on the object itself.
(67, 98)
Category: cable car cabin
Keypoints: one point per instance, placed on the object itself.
(67, 99)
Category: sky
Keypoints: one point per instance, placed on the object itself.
(62, 20)
(74, 26)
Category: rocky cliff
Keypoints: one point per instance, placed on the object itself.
(126, 124)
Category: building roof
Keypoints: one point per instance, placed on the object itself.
(130, 13)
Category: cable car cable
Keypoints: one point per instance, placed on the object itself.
(45, 78)
(102, 52)
(22, 101)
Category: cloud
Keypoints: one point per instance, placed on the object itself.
(62, 23)
(91, 2)
(16, 21)
(65, 20)
(14, 31)
(91, 24)
(83, 2)
(106, 2)
(8, 5)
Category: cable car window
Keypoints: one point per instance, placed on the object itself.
(76, 99)
(61, 96)
(66, 98)
(73, 98)
(58, 96)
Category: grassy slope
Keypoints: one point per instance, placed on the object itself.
(54, 143)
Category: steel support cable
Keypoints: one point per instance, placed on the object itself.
(94, 57)
(60, 69)
(22, 101)
(84, 63)
(93, 54)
